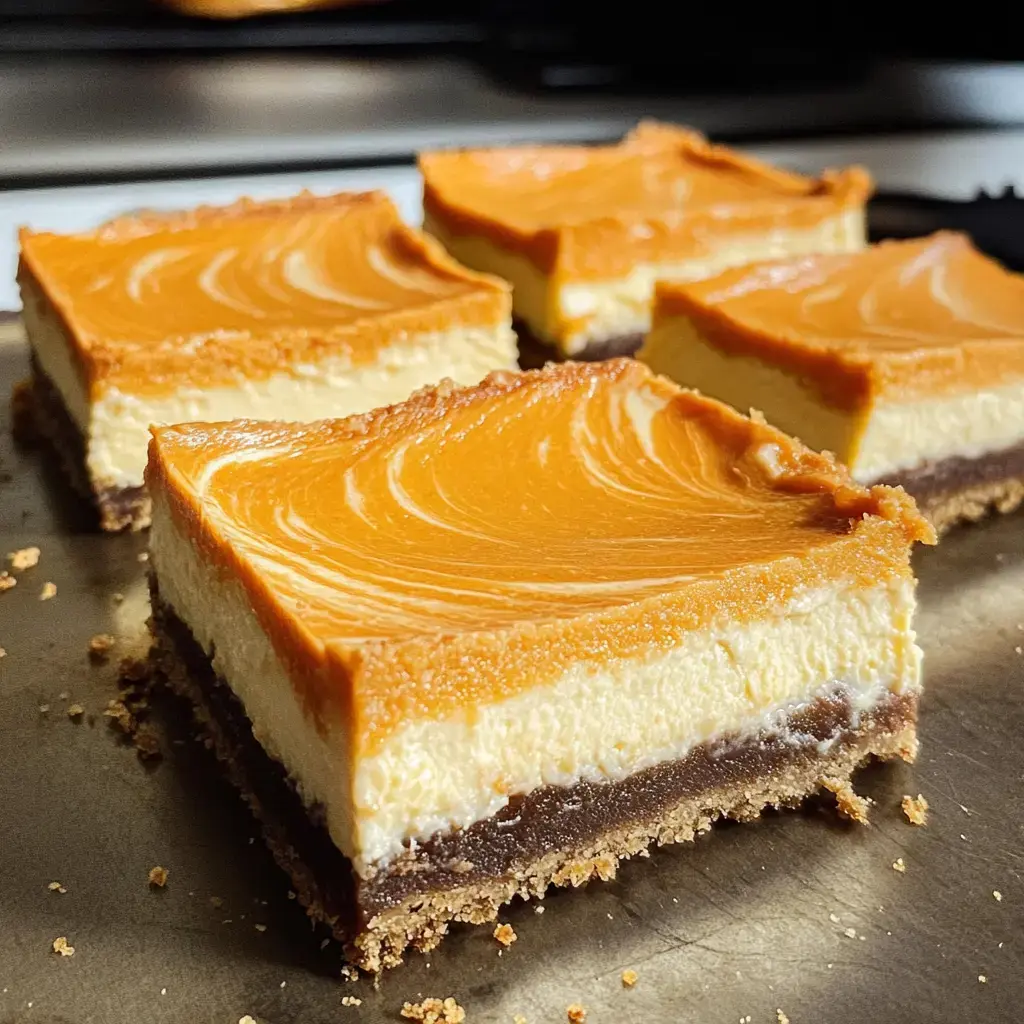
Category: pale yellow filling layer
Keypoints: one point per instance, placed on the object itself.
(571, 315)
(599, 721)
(888, 438)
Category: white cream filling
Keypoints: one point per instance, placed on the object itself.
(892, 437)
(614, 308)
(116, 425)
(594, 721)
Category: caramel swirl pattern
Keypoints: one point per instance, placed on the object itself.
(532, 497)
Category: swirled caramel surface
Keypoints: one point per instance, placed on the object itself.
(205, 297)
(471, 542)
(901, 319)
(589, 212)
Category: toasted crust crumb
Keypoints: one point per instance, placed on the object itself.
(351, 1001)
(783, 1019)
(435, 1011)
(997, 896)
(898, 865)
(983, 979)
(576, 1013)
(24, 558)
(49, 590)
(916, 809)
(158, 877)
(629, 978)
(56, 887)
(505, 934)
(75, 711)
(61, 946)
(7, 581)
(100, 646)
(849, 803)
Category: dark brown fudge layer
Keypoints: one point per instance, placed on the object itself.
(40, 412)
(572, 833)
(534, 353)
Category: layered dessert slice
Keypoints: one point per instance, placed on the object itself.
(294, 310)
(906, 360)
(497, 638)
(582, 233)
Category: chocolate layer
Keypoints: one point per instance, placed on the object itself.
(41, 411)
(530, 827)
(534, 353)
(934, 481)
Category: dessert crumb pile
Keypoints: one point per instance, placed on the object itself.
(576, 1013)
(505, 934)
(916, 809)
(56, 887)
(629, 978)
(158, 877)
(898, 865)
(100, 647)
(850, 805)
(62, 947)
(24, 558)
(49, 590)
(435, 1011)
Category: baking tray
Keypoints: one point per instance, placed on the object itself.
(799, 911)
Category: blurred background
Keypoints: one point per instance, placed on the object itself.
(183, 101)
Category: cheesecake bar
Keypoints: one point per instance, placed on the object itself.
(582, 233)
(291, 310)
(906, 360)
(497, 638)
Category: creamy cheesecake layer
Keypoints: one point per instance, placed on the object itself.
(594, 721)
(115, 423)
(880, 440)
(572, 314)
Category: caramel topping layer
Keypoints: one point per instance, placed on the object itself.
(154, 302)
(590, 212)
(466, 544)
(901, 319)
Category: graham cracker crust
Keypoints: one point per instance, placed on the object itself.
(39, 414)
(554, 836)
(534, 353)
(960, 490)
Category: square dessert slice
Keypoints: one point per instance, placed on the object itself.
(291, 310)
(906, 360)
(582, 233)
(497, 638)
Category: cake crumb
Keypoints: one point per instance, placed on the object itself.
(981, 977)
(629, 978)
(247, 1020)
(850, 805)
(260, 928)
(783, 1019)
(916, 809)
(834, 918)
(49, 590)
(44, 709)
(997, 896)
(539, 909)
(117, 598)
(349, 973)
(351, 1001)
(3, 652)
(898, 865)
(119, 715)
(56, 887)
(158, 877)
(23, 558)
(435, 1011)
(100, 646)
(7, 581)
(505, 934)
(61, 946)
(143, 556)
(75, 711)
(576, 1013)
(850, 933)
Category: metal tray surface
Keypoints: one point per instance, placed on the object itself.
(799, 912)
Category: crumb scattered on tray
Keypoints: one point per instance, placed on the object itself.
(505, 934)
(247, 1020)
(783, 1019)
(49, 590)
(44, 709)
(629, 978)
(997, 896)
(117, 598)
(849, 803)
(158, 877)
(143, 556)
(3, 652)
(983, 978)
(349, 973)
(100, 647)
(24, 558)
(435, 1011)
(56, 887)
(539, 909)
(75, 711)
(216, 902)
(916, 809)
(351, 1001)
(7, 581)
(850, 933)
(147, 743)
(260, 927)
(898, 865)
(576, 1013)
(61, 946)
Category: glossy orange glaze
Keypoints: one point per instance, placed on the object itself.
(593, 212)
(902, 320)
(152, 302)
(472, 543)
